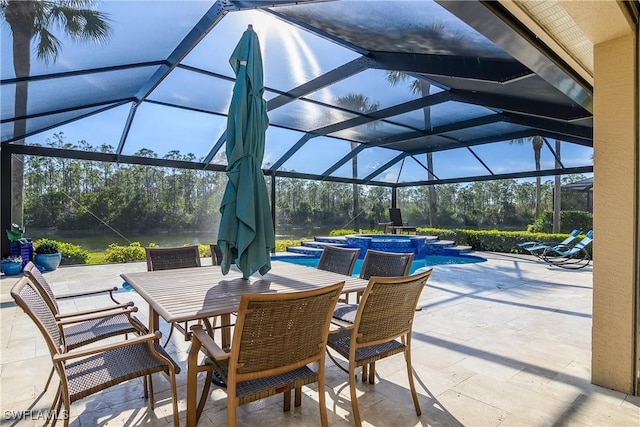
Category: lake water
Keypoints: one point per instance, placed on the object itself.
(99, 242)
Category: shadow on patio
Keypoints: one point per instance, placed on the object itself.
(506, 342)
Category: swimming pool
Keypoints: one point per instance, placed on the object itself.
(427, 261)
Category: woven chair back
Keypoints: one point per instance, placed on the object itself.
(275, 333)
(38, 280)
(172, 258)
(387, 308)
(385, 264)
(216, 255)
(338, 260)
(27, 296)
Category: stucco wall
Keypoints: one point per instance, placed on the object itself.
(615, 198)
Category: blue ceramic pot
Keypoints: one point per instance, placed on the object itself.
(48, 261)
(11, 268)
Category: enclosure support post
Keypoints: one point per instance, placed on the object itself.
(273, 203)
(5, 199)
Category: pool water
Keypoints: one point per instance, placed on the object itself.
(427, 261)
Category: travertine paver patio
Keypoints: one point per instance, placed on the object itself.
(501, 343)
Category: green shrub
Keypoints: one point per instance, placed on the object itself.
(46, 246)
(73, 254)
(494, 240)
(569, 221)
(132, 252)
(204, 250)
(346, 232)
(342, 232)
(281, 245)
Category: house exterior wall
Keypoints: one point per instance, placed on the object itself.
(615, 246)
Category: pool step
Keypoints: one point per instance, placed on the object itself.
(322, 245)
(305, 250)
(460, 249)
(443, 243)
(434, 246)
(331, 239)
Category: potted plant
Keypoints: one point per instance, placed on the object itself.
(12, 265)
(19, 246)
(47, 253)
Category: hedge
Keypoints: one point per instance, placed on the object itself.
(495, 240)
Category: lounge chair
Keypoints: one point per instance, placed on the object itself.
(537, 248)
(397, 224)
(572, 257)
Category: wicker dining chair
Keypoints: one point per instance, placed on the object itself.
(30, 270)
(338, 260)
(169, 259)
(94, 325)
(216, 254)
(382, 325)
(276, 336)
(384, 264)
(86, 371)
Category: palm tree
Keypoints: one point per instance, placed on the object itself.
(361, 104)
(422, 87)
(33, 20)
(536, 142)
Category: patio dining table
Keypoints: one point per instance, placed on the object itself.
(199, 293)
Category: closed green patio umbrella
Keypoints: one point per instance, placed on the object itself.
(246, 234)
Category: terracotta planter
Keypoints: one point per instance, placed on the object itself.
(48, 261)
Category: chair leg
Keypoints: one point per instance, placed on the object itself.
(66, 412)
(174, 398)
(354, 396)
(152, 402)
(286, 403)
(298, 399)
(56, 412)
(46, 386)
(372, 372)
(321, 396)
(145, 385)
(232, 404)
(56, 399)
(169, 336)
(411, 383)
(205, 393)
(365, 369)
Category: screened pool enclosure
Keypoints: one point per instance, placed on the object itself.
(381, 93)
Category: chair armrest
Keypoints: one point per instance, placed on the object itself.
(529, 243)
(207, 342)
(89, 293)
(74, 354)
(118, 307)
(558, 248)
(78, 319)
